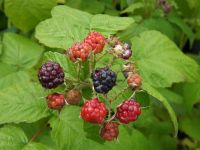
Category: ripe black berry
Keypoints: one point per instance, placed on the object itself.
(51, 75)
(103, 80)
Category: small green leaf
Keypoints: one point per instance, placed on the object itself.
(68, 66)
(153, 92)
(20, 51)
(175, 19)
(12, 138)
(27, 14)
(160, 62)
(24, 102)
(131, 8)
(190, 126)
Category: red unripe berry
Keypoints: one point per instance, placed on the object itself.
(55, 100)
(96, 41)
(79, 51)
(134, 81)
(128, 111)
(94, 111)
(109, 131)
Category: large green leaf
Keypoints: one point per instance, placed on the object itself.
(160, 62)
(68, 66)
(70, 132)
(27, 14)
(23, 102)
(155, 93)
(20, 51)
(12, 138)
(63, 29)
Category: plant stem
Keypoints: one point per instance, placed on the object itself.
(38, 133)
(79, 70)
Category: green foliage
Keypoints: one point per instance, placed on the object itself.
(35, 31)
(27, 14)
(169, 65)
(63, 29)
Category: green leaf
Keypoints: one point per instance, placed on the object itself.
(24, 102)
(1, 45)
(36, 146)
(63, 29)
(190, 126)
(175, 19)
(155, 93)
(91, 6)
(131, 8)
(12, 138)
(160, 62)
(68, 66)
(68, 127)
(27, 14)
(20, 51)
(190, 93)
(110, 24)
(10, 75)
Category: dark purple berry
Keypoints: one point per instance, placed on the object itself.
(51, 75)
(103, 80)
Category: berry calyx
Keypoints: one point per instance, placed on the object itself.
(167, 8)
(96, 41)
(109, 131)
(51, 75)
(55, 100)
(128, 111)
(94, 111)
(128, 69)
(79, 51)
(103, 80)
(73, 97)
(135, 81)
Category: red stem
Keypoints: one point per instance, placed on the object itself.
(38, 133)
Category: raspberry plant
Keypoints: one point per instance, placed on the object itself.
(94, 74)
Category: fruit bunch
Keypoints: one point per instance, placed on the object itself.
(102, 81)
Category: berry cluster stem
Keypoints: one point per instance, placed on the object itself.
(38, 133)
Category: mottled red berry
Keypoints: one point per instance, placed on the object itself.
(55, 100)
(79, 51)
(109, 131)
(128, 111)
(94, 111)
(96, 41)
(135, 81)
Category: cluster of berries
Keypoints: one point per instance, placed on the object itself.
(94, 42)
(165, 6)
(95, 112)
(51, 75)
